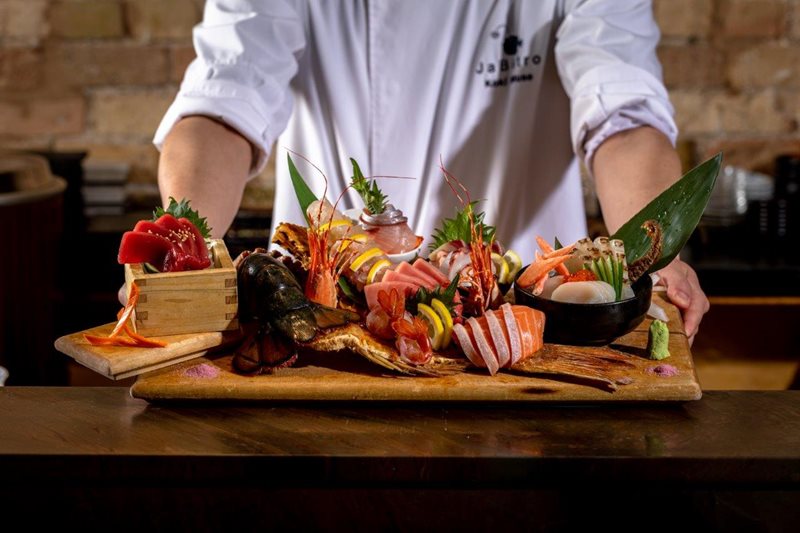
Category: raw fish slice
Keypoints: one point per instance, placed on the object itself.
(425, 280)
(484, 348)
(531, 327)
(514, 340)
(467, 345)
(393, 275)
(498, 339)
(432, 271)
(551, 284)
(584, 292)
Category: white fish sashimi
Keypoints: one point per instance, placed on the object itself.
(584, 292)
(552, 283)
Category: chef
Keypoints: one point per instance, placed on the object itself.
(511, 95)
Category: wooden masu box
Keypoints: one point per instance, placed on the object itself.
(173, 303)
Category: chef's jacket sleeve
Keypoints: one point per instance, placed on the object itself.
(247, 53)
(606, 57)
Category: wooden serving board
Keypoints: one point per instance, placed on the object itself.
(119, 362)
(346, 376)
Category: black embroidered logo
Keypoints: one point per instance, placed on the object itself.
(510, 44)
(513, 64)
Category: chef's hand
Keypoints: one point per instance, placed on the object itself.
(683, 289)
(122, 296)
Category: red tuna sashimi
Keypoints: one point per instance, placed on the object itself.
(200, 247)
(407, 270)
(371, 291)
(432, 271)
(170, 244)
(484, 345)
(466, 342)
(140, 247)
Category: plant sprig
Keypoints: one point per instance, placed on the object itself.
(458, 228)
(374, 199)
(424, 296)
(182, 209)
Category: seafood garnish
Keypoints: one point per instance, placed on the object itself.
(390, 320)
(271, 298)
(476, 278)
(640, 266)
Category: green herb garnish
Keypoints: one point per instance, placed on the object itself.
(458, 228)
(374, 199)
(424, 296)
(183, 210)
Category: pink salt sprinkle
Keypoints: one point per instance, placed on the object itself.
(665, 371)
(203, 370)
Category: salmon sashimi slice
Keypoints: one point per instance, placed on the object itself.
(531, 329)
(498, 339)
(432, 271)
(467, 344)
(486, 350)
(514, 340)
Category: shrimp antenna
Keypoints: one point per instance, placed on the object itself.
(451, 179)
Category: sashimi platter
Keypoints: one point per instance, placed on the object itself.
(353, 305)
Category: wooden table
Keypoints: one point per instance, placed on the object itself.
(97, 458)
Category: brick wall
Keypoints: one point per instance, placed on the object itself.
(98, 75)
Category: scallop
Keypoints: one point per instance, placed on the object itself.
(552, 283)
(584, 292)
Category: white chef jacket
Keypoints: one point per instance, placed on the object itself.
(505, 92)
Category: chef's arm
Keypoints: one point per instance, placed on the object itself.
(630, 169)
(207, 163)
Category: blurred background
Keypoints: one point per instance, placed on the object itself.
(84, 84)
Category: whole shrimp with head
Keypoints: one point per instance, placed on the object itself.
(463, 249)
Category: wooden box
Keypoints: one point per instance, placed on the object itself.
(173, 303)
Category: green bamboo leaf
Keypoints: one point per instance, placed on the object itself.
(677, 209)
(304, 195)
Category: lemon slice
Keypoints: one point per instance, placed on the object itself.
(377, 267)
(447, 321)
(333, 224)
(501, 268)
(514, 264)
(359, 261)
(347, 241)
(435, 327)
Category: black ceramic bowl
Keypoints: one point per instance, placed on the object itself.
(589, 324)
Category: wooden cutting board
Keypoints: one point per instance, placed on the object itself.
(346, 376)
(119, 362)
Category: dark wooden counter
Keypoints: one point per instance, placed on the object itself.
(730, 459)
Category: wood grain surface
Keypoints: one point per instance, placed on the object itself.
(119, 362)
(345, 376)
